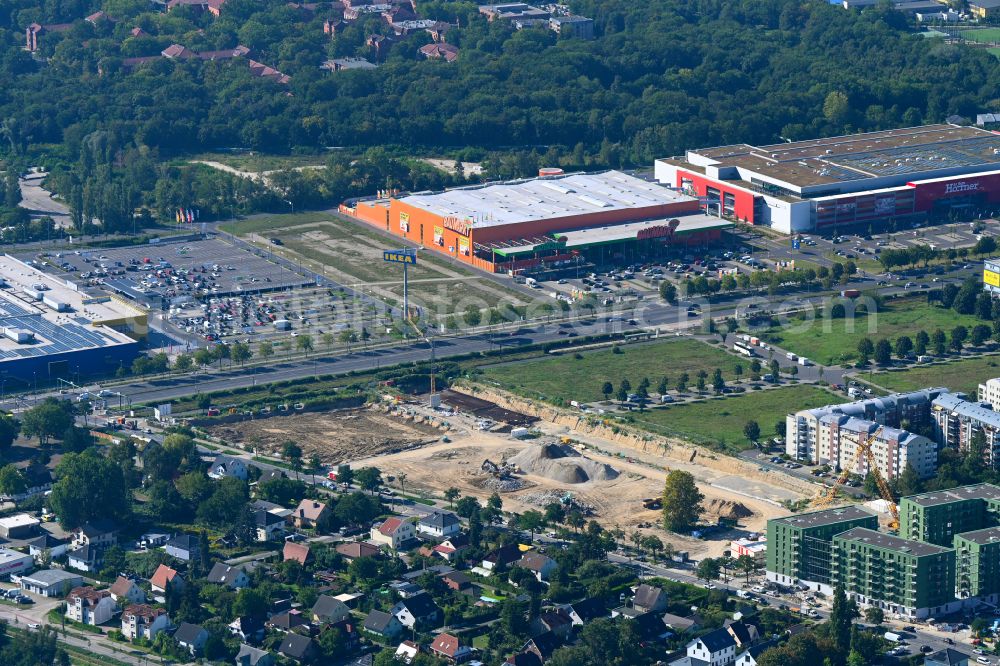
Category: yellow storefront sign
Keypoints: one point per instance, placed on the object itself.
(991, 278)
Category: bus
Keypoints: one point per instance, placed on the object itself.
(743, 348)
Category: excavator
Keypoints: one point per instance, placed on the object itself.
(864, 448)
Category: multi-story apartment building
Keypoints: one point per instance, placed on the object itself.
(936, 517)
(809, 434)
(957, 421)
(989, 391)
(901, 576)
(798, 550)
(977, 562)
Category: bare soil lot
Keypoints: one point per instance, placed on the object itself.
(336, 436)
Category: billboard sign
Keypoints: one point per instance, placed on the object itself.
(991, 276)
(406, 256)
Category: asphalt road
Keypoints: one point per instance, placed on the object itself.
(39, 201)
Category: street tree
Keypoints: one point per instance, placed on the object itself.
(681, 501)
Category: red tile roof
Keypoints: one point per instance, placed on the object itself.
(445, 644)
(295, 551)
(390, 525)
(163, 576)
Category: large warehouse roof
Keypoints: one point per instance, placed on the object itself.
(544, 198)
(900, 152)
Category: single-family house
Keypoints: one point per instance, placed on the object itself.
(270, 526)
(393, 532)
(382, 624)
(47, 543)
(947, 657)
(542, 646)
(355, 549)
(558, 623)
(649, 598)
(329, 610)
(523, 659)
(85, 558)
(271, 507)
(90, 606)
(297, 647)
(165, 577)
(126, 591)
(309, 512)
(743, 633)
(582, 612)
(417, 610)
(501, 557)
(191, 637)
(440, 50)
(680, 625)
(268, 475)
(251, 656)
(439, 524)
(451, 548)
(716, 648)
(539, 564)
(287, 621)
(247, 629)
(749, 656)
(227, 466)
(144, 621)
(186, 547)
(50, 582)
(98, 533)
(457, 581)
(299, 552)
(449, 648)
(232, 577)
(407, 652)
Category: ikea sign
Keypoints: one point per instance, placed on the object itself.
(399, 256)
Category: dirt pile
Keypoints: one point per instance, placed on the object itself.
(727, 509)
(562, 464)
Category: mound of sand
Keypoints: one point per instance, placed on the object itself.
(727, 509)
(562, 464)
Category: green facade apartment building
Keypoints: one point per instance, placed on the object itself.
(937, 517)
(799, 546)
(977, 563)
(901, 576)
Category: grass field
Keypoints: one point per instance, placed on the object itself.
(964, 375)
(564, 377)
(838, 342)
(985, 35)
(353, 253)
(719, 422)
(994, 51)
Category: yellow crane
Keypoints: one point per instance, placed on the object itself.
(864, 448)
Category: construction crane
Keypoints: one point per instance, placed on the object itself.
(864, 449)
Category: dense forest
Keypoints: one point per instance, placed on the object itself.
(659, 77)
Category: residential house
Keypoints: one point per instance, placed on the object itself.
(309, 512)
(100, 533)
(274, 474)
(749, 656)
(681, 625)
(47, 544)
(439, 51)
(393, 532)
(191, 637)
(329, 610)
(153, 540)
(252, 656)
(138, 32)
(299, 552)
(648, 598)
(451, 548)
(85, 558)
(382, 624)
(50, 582)
(227, 466)
(716, 648)
(457, 581)
(355, 549)
(232, 577)
(287, 621)
(165, 577)
(270, 526)
(342, 64)
(542, 646)
(582, 612)
(523, 659)
(649, 627)
(407, 652)
(126, 591)
(501, 557)
(417, 610)
(271, 507)
(185, 547)
(947, 657)
(90, 606)
(37, 480)
(35, 30)
(540, 565)
(440, 524)
(144, 621)
(247, 629)
(743, 633)
(449, 648)
(297, 647)
(558, 623)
